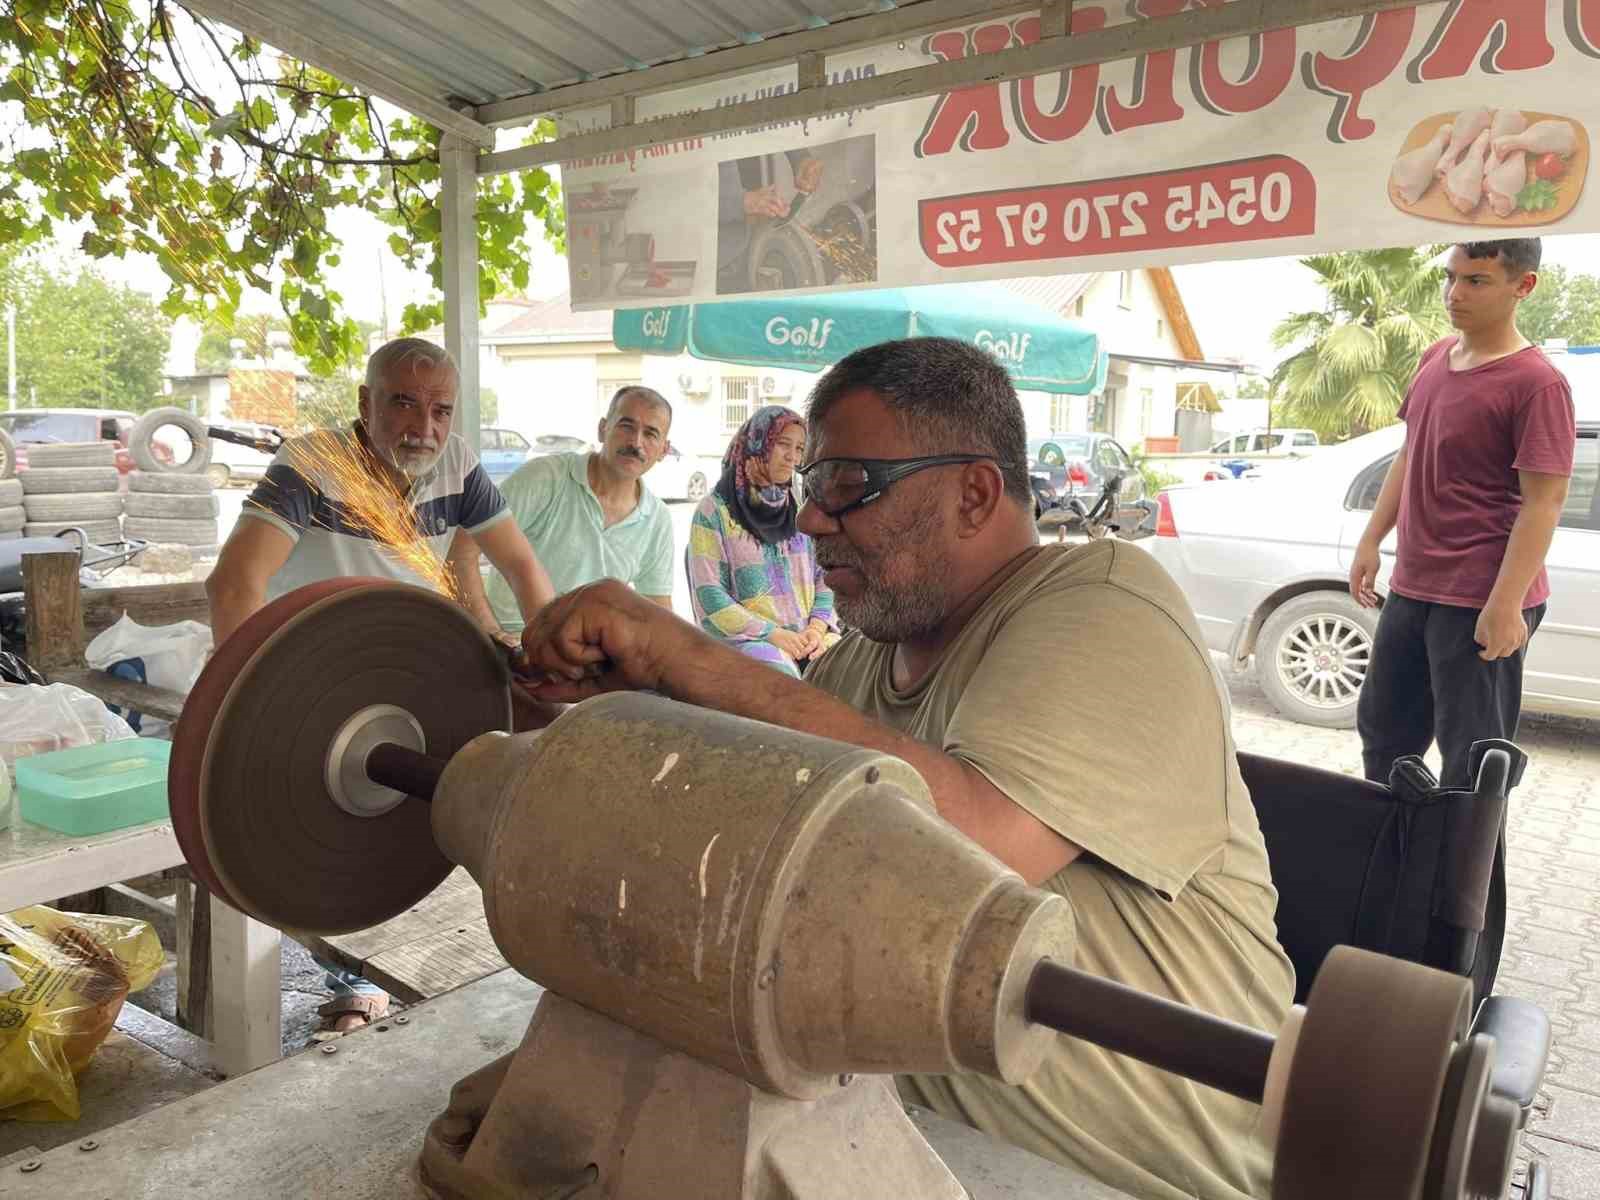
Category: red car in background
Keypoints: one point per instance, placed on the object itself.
(41, 425)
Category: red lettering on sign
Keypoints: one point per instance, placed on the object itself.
(1583, 26)
(1378, 49)
(971, 117)
(1075, 89)
(1253, 199)
(1271, 67)
(1154, 102)
(1511, 36)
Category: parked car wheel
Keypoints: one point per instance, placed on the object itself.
(218, 474)
(1313, 655)
(696, 491)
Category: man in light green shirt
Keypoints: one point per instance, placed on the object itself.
(589, 515)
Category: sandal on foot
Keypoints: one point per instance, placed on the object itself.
(346, 1014)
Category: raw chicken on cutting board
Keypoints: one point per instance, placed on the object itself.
(1485, 181)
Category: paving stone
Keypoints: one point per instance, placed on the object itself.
(1558, 973)
(1575, 1114)
(1564, 920)
(1574, 1170)
(1549, 942)
(1580, 899)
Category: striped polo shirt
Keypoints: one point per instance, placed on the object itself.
(302, 498)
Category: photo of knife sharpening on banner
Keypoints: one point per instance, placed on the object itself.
(801, 218)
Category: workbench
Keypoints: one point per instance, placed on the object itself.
(348, 1122)
(37, 865)
(436, 946)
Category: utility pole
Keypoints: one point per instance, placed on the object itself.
(11, 356)
(383, 300)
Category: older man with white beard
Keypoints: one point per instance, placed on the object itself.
(297, 527)
(300, 526)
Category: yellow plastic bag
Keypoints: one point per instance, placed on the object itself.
(63, 978)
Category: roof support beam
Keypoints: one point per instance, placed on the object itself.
(924, 16)
(350, 60)
(458, 213)
(1239, 19)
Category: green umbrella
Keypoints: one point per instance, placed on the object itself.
(1042, 352)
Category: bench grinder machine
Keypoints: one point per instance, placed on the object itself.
(743, 932)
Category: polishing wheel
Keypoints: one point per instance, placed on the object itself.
(267, 784)
(1382, 1048)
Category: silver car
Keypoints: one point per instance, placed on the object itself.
(1266, 562)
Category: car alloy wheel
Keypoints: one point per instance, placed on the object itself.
(1323, 658)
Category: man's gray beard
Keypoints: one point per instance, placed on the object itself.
(411, 466)
(913, 611)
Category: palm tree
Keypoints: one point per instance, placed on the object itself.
(1384, 309)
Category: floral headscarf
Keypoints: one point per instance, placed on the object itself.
(766, 511)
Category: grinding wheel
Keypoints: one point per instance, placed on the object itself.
(1365, 1085)
(251, 784)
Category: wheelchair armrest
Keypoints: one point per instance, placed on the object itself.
(1521, 1033)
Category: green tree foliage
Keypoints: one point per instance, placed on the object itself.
(83, 341)
(1384, 309)
(1564, 305)
(329, 401)
(164, 133)
(215, 350)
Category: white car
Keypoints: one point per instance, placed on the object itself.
(232, 463)
(1269, 441)
(680, 476)
(1266, 562)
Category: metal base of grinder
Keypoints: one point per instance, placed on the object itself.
(590, 1109)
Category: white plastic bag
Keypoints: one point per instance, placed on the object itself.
(172, 654)
(57, 716)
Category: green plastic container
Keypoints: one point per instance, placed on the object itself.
(90, 789)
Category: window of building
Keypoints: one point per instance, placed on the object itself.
(1103, 410)
(1125, 290)
(607, 388)
(1060, 414)
(1161, 329)
(739, 400)
(1077, 307)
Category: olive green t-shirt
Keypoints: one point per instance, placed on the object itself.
(1083, 690)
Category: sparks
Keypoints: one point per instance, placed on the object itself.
(371, 504)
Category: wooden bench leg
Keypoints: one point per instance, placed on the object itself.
(193, 954)
(246, 993)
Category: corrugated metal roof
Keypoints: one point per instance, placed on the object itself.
(486, 50)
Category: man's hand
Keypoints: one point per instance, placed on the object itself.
(604, 637)
(765, 202)
(1501, 631)
(1364, 574)
(796, 645)
(808, 176)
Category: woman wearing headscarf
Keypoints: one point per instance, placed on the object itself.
(753, 577)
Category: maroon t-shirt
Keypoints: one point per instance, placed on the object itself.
(1468, 433)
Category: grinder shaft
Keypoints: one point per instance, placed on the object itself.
(1222, 1054)
(404, 769)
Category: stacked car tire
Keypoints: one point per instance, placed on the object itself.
(178, 510)
(171, 504)
(72, 485)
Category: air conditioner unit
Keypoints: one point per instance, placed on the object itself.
(692, 384)
(769, 386)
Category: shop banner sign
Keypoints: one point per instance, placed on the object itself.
(1449, 121)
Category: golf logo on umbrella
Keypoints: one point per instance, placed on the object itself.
(814, 335)
(1007, 347)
